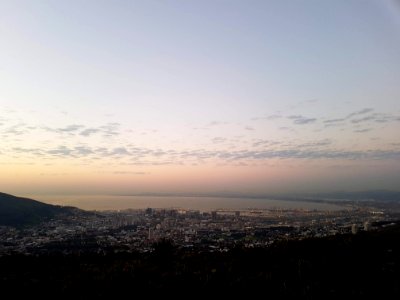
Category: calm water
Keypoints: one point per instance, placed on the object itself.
(195, 203)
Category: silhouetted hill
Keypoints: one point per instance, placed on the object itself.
(17, 211)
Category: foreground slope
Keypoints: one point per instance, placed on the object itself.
(362, 266)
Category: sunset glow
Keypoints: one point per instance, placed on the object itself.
(199, 97)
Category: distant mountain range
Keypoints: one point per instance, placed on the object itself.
(376, 195)
(17, 211)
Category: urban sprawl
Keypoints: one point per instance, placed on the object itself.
(140, 230)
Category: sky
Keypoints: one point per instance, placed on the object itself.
(256, 97)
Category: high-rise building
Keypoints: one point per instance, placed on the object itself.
(354, 229)
(367, 226)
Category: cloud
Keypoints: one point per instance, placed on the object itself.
(83, 151)
(61, 151)
(144, 156)
(311, 154)
(274, 117)
(360, 112)
(330, 121)
(377, 118)
(70, 128)
(261, 142)
(349, 116)
(325, 142)
(305, 121)
(365, 115)
(200, 128)
(363, 130)
(110, 129)
(107, 130)
(216, 123)
(364, 119)
(269, 117)
(34, 151)
(249, 128)
(17, 129)
(158, 152)
(89, 131)
(218, 140)
(120, 151)
(293, 117)
(301, 120)
(139, 151)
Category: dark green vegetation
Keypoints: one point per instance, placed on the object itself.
(358, 266)
(16, 211)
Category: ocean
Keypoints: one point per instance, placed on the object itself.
(104, 202)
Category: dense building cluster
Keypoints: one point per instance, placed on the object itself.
(140, 230)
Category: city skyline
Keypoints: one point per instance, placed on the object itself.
(190, 97)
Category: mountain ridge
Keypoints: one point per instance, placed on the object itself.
(19, 211)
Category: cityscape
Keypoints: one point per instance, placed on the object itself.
(220, 230)
(202, 148)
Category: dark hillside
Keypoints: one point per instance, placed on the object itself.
(17, 211)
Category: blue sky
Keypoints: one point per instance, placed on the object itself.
(259, 93)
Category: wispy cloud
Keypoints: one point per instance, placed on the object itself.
(61, 151)
(366, 115)
(216, 123)
(89, 131)
(331, 121)
(218, 140)
(318, 143)
(120, 151)
(285, 128)
(110, 129)
(83, 150)
(363, 130)
(305, 121)
(70, 128)
(262, 142)
(109, 140)
(269, 117)
(17, 129)
(35, 151)
(142, 156)
(349, 116)
(301, 120)
(359, 112)
(377, 118)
